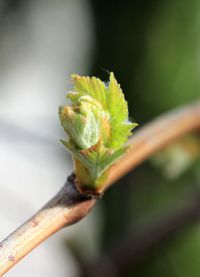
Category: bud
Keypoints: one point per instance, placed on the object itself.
(85, 123)
(97, 127)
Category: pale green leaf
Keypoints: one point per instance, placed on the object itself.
(112, 100)
(96, 161)
(93, 87)
(118, 109)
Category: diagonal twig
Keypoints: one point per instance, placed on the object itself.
(69, 206)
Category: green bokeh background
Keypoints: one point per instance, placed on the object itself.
(154, 48)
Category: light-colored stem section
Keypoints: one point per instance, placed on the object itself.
(56, 214)
(155, 135)
(62, 210)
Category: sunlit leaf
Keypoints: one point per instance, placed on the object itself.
(97, 125)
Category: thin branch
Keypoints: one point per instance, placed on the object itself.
(66, 208)
(69, 206)
(155, 135)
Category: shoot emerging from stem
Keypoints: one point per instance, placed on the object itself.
(97, 126)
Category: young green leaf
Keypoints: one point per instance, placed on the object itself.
(97, 126)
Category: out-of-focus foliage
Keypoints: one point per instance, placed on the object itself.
(179, 258)
(178, 157)
(154, 48)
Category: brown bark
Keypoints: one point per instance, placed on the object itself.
(69, 206)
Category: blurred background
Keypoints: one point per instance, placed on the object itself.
(148, 223)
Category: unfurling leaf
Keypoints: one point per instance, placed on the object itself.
(97, 126)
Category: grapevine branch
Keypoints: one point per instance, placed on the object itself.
(69, 205)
